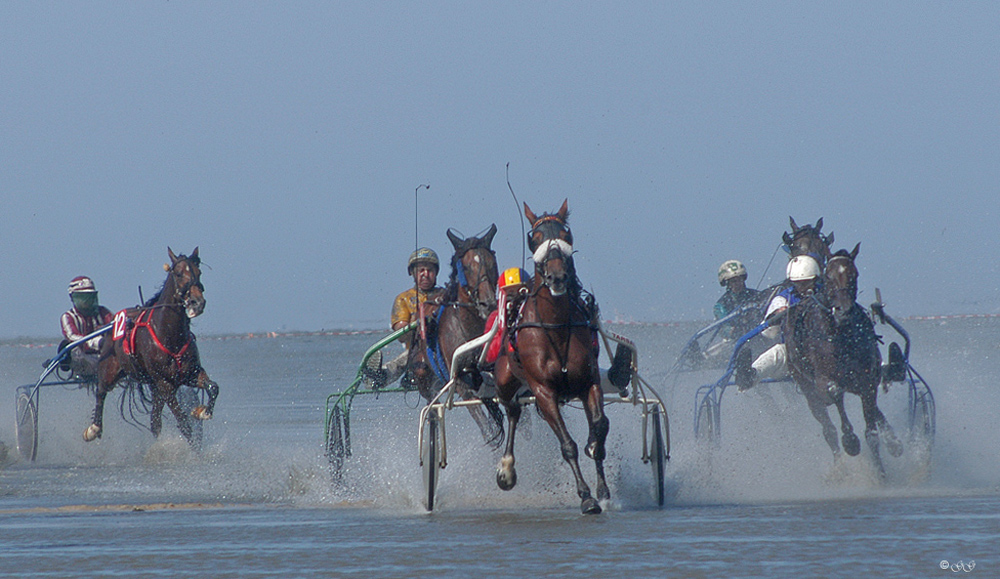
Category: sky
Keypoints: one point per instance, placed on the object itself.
(287, 140)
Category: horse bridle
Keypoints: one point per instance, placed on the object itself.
(554, 245)
(482, 307)
(851, 289)
(182, 292)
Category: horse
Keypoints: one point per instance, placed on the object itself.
(832, 349)
(153, 345)
(552, 348)
(468, 300)
(808, 240)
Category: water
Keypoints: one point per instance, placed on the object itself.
(258, 502)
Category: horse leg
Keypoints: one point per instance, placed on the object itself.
(876, 421)
(203, 412)
(549, 407)
(818, 409)
(93, 432)
(851, 442)
(156, 412)
(506, 474)
(108, 369)
(599, 425)
(183, 424)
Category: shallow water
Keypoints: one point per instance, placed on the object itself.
(768, 501)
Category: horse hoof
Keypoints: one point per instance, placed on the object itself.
(201, 413)
(852, 444)
(92, 433)
(590, 506)
(506, 479)
(893, 444)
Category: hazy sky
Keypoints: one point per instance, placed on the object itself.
(286, 140)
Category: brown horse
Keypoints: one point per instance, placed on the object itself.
(468, 300)
(552, 348)
(808, 240)
(832, 348)
(153, 344)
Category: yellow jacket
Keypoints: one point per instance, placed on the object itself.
(404, 309)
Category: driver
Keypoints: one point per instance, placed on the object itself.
(83, 318)
(733, 277)
(803, 272)
(423, 266)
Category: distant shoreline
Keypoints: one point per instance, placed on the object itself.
(40, 342)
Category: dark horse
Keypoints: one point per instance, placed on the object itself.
(808, 240)
(832, 349)
(552, 348)
(153, 344)
(468, 300)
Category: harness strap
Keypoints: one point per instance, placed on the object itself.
(434, 353)
(143, 321)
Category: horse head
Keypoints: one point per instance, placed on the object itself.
(185, 277)
(474, 269)
(807, 240)
(551, 243)
(841, 283)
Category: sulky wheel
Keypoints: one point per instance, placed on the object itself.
(429, 457)
(657, 455)
(26, 426)
(707, 421)
(335, 449)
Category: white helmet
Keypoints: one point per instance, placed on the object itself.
(730, 269)
(802, 267)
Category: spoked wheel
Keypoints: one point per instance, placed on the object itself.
(189, 400)
(657, 455)
(429, 455)
(335, 449)
(26, 426)
(707, 421)
(922, 418)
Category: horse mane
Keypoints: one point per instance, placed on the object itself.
(156, 297)
(451, 288)
(842, 253)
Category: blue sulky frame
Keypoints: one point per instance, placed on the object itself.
(921, 406)
(27, 396)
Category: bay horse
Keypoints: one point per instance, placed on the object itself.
(808, 240)
(153, 344)
(832, 349)
(552, 348)
(468, 300)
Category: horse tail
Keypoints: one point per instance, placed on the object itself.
(493, 409)
(135, 402)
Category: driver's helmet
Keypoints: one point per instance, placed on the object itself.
(426, 255)
(802, 267)
(730, 269)
(81, 284)
(512, 278)
(83, 293)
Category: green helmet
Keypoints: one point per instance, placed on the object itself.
(426, 255)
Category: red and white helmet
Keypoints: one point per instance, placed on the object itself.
(81, 283)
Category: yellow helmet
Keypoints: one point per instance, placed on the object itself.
(513, 276)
